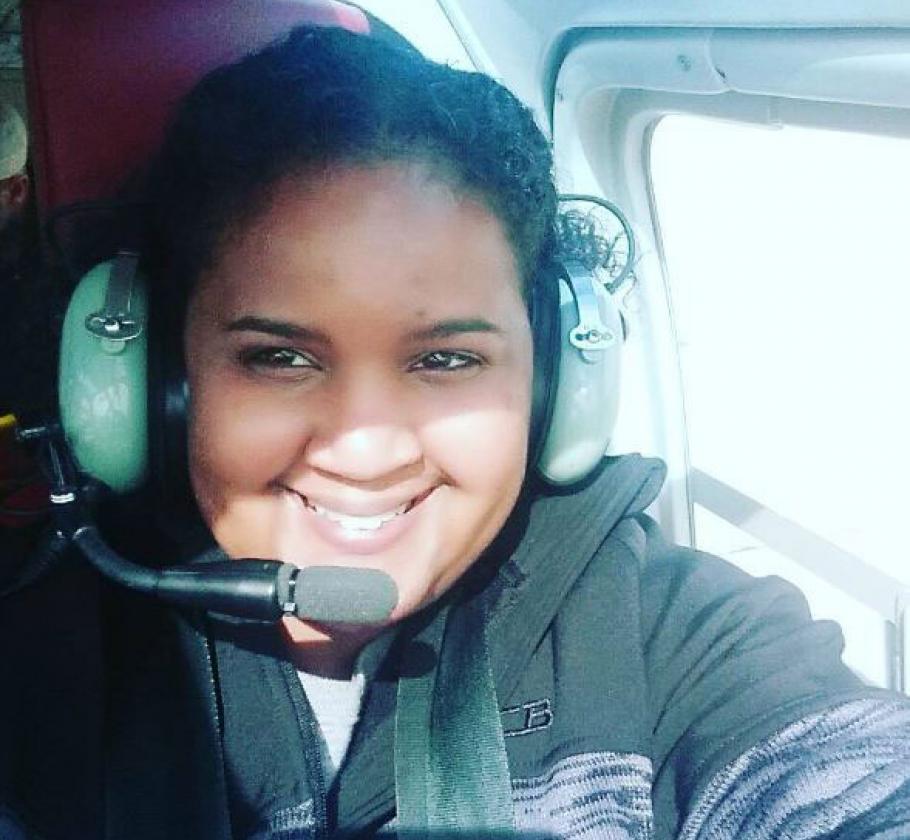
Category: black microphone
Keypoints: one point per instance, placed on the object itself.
(268, 590)
(265, 590)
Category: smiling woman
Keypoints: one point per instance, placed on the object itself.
(356, 299)
(369, 340)
(357, 274)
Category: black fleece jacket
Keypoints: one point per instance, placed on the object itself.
(585, 679)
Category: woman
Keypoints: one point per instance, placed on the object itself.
(348, 240)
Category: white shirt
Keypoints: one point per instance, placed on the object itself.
(336, 704)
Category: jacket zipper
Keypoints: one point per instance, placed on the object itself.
(214, 694)
(309, 729)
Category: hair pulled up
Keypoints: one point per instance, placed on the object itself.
(324, 97)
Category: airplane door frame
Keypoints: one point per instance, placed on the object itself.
(612, 88)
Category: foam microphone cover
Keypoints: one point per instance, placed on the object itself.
(344, 594)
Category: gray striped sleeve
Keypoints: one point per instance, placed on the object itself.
(601, 795)
(843, 772)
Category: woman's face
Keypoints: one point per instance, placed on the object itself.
(359, 362)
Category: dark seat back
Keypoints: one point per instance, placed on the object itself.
(103, 76)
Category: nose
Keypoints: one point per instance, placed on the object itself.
(366, 432)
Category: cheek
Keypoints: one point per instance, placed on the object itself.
(238, 446)
(238, 440)
(483, 454)
(483, 444)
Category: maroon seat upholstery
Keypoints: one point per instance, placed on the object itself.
(102, 77)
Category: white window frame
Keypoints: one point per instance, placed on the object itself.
(612, 88)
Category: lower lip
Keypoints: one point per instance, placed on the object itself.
(360, 542)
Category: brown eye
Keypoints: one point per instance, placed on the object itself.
(446, 361)
(278, 361)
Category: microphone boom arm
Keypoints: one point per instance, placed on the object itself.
(264, 590)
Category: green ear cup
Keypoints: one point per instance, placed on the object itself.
(587, 394)
(103, 383)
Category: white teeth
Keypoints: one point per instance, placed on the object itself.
(359, 523)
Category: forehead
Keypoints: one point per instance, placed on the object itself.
(390, 237)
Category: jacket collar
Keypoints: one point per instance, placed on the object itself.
(559, 534)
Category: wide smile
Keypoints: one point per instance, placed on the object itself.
(351, 522)
(361, 533)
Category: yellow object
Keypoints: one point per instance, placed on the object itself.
(15, 465)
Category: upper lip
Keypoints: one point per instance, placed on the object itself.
(368, 507)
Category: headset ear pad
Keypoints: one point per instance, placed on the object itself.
(586, 400)
(168, 398)
(102, 385)
(544, 316)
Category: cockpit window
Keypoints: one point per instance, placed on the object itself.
(788, 264)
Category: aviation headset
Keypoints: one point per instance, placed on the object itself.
(123, 393)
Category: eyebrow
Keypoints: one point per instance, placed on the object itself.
(289, 330)
(453, 326)
(282, 329)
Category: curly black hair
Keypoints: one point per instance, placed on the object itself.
(323, 97)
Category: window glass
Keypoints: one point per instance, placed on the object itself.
(787, 258)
